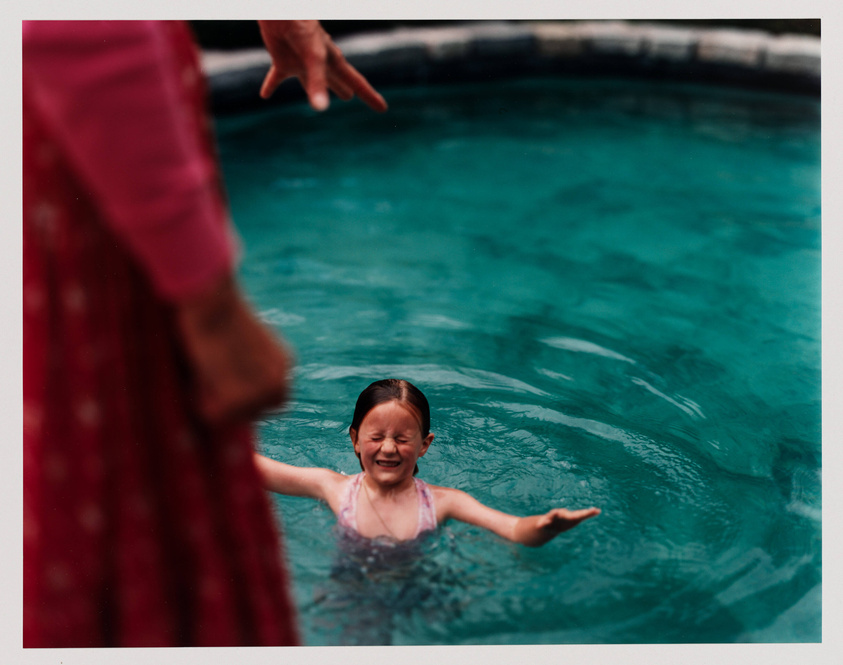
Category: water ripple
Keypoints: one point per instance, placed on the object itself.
(424, 375)
(439, 321)
(678, 467)
(278, 317)
(583, 346)
(688, 406)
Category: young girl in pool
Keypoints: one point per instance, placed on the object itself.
(390, 430)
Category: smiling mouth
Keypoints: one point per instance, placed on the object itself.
(387, 464)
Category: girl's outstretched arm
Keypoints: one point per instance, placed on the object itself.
(532, 531)
(315, 483)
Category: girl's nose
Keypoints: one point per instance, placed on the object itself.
(388, 445)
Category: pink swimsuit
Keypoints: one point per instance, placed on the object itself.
(347, 516)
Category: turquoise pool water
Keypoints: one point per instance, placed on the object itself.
(610, 293)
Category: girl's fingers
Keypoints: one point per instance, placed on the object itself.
(545, 520)
(564, 515)
(580, 515)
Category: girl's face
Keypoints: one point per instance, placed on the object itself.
(389, 442)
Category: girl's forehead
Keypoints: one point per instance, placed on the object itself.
(393, 413)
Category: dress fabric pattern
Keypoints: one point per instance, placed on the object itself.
(142, 526)
(347, 515)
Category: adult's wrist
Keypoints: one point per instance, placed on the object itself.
(212, 308)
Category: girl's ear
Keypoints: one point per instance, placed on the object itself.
(426, 444)
(353, 434)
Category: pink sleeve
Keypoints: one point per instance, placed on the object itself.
(110, 93)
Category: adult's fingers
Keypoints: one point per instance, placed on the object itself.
(342, 90)
(358, 83)
(271, 81)
(314, 78)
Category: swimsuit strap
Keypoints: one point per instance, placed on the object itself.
(347, 515)
(427, 511)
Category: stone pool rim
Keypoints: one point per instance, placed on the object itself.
(481, 50)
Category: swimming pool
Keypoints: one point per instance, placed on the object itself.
(610, 293)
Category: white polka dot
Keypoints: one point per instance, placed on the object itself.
(45, 222)
(75, 298)
(90, 518)
(34, 298)
(58, 577)
(46, 153)
(44, 215)
(31, 530)
(88, 413)
(33, 417)
(55, 468)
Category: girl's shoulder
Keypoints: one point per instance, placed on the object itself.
(336, 487)
(445, 499)
(445, 493)
(438, 490)
(338, 478)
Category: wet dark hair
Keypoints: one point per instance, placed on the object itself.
(388, 390)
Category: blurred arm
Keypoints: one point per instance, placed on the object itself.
(113, 99)
(109, 92)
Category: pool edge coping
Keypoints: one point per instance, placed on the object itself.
(455, 53)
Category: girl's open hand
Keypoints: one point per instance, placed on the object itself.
(304, 50)
(539, 529)
(559, 519)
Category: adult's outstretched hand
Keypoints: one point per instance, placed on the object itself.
(303, 50)
(239, 367)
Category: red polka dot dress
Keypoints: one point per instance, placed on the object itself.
(142, 526)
